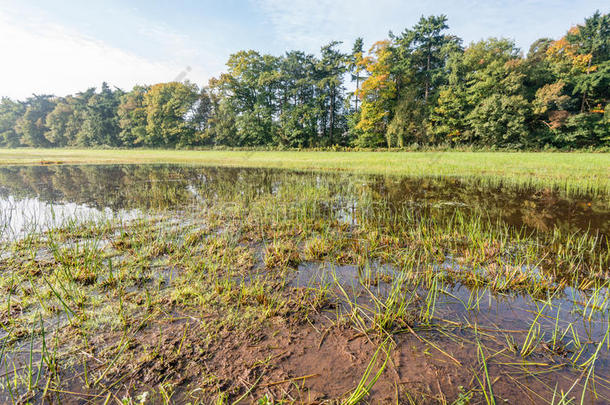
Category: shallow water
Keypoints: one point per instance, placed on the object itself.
(22, 216)
(32, 195)
(568, 331)
(459, 303)
(34, 199)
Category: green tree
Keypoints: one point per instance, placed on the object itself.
(417, 87)
(424, 49)
(167, 108)
(483, 80)
(31, 127)
(356, 67)
(421, 57)
(297, 124)
(100, 120)
(201, 115)
(64, 122)
(331, 94)
(500, 120)
(250, 86)
(10, 112)
(132, 117)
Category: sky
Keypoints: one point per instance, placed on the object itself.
(65, 46)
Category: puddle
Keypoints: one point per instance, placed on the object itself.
(561, 316)
(318, 274)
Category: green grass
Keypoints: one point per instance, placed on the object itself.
(570, 171)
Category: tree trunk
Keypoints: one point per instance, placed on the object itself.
(357, 88)
(332, 114)
(584, 94)
(427, 78)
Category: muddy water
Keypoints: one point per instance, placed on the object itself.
(35, 190)
(569, 332)
(464, 305)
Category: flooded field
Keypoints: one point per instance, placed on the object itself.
(161, 283)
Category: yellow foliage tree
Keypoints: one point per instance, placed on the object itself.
(567, 59)
(378, 93)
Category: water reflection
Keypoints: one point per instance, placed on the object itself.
(81, 190)
(20, 217)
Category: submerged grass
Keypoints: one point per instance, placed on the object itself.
(199, 304)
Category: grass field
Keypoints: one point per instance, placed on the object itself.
(570, 171)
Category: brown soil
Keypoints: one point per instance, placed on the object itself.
(312, 363)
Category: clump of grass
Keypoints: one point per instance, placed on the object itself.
(195, 238)
(317, 248)
(282, 254)
(368, 380)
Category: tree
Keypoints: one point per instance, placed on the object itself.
(420, 68)
(31, 127)
(592, 42)
(64, 123)
(537, 67)
(420, 86)
(448, 118)
(298, 113)
(330, 70)
(575, 102)
(250, 85)
(424, 49)
(378, 95)
(132, 117)
(500, 120)
(10, 112)
(200, 116)
(409, 121)
(356, 67)
(100, 120)
(167, 105)
(486, 78)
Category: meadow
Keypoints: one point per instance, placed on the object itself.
(358, 278)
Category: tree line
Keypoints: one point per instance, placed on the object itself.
(419, 87)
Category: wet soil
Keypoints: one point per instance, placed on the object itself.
(311, 362)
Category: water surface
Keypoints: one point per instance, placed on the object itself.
(43, 196)
(38, 198)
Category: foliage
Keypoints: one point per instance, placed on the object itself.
(167, 107)
(10, 112)
(378, 94)
(31, 126)
(132, 117)
(420, 87)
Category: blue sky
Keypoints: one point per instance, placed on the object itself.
(62, 47)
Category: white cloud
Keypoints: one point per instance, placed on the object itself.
(309, 24)
(50, 50)
(44, 57)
